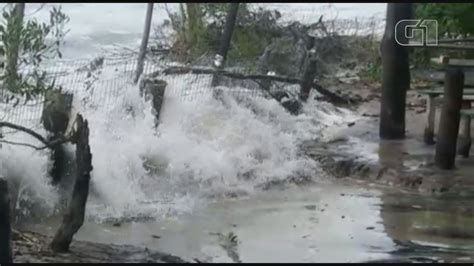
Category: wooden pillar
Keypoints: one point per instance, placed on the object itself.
(309, 74)
(5, 227)
(221, 55)
(143, 46)
(430, 123)
(395, 73)
(449, 122)
(464, 143)
(74, 216)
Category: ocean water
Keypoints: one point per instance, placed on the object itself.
(98, 27)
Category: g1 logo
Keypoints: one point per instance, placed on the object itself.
(417, 32)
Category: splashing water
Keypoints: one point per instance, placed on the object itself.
(201, 149)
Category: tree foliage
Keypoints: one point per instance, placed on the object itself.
(199, 27)
(453, 18)
(29, 43)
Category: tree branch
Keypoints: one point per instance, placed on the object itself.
(26, 130)
(175, 70)
(47, 144)
(21, 144)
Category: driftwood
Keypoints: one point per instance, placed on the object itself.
(176, 70)
(5, 229)
(74, 216)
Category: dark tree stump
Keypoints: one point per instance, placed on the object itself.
(5, 227)
(74, 216)
(450, 117)
(56, 111)
(55, 119)
(395, 74)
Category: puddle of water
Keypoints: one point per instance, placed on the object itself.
(327, 223)
(324, 224)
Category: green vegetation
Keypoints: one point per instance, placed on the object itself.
(25, 44)
(199, 27)
(454, 20)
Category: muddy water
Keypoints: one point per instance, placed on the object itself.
(323, 223)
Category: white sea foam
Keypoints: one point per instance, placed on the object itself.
(205, 147)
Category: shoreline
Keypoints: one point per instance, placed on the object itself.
(31, 247)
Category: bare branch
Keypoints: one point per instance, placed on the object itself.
(37, 10)
(47, 144)
(21, 144)
(333, 97)
(26, 130)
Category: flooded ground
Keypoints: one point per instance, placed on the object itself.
(323, 223)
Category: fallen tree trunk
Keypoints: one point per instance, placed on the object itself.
(176, 70)
(74, 216)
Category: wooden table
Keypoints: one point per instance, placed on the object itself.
(432, 95)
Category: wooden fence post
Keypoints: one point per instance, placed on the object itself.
(308, 75)
(450, 116)
(74, 216)
(5, 228)
(154, 90)
(143, 47)
(225, 41)
(395, 73)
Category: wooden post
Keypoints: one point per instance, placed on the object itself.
(430, 123)
(74, 216)
(431, 111)
(395, 73)
(146, 36)
(154, 90)
(449, 121)
(225, 41)
(464, 143)
(5, 229)
(308, 75)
